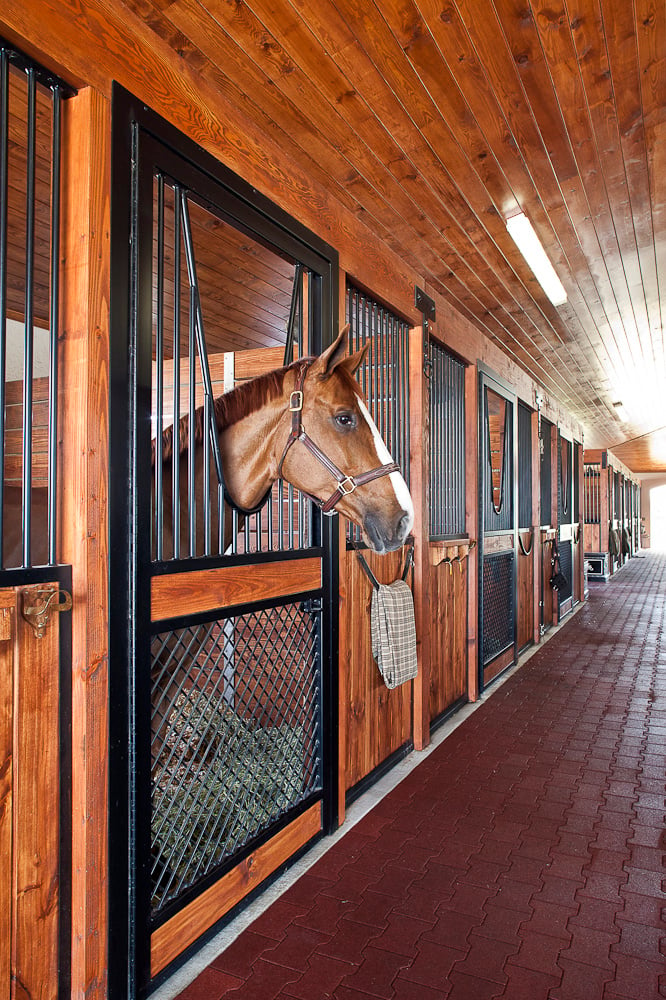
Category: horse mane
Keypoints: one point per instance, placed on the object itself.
(229, 408)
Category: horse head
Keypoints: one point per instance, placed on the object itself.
(335, 454)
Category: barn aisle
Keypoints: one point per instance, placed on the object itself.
(522, 858)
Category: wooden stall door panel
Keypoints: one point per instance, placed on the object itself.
(447, 636)
(378, 720)
(7, 607)
(29, 804)
(525, 609)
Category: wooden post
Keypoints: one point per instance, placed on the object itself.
(83, 415)
(472, 522)
(419, 435)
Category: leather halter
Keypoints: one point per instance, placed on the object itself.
(346, 484)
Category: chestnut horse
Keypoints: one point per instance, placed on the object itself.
(307, 424)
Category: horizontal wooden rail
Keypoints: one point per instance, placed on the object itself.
(227, 586)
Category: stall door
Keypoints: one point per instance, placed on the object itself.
(568, 530)
(498, 524)
(225, 703)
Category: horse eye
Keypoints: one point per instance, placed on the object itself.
(345, 420)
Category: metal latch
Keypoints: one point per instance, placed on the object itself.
(38, 603)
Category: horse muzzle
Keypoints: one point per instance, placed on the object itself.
(386, 535)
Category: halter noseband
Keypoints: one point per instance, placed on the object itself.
(346, 484)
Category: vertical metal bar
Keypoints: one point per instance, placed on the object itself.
(4, 131)
(269, 524)
(159, 374)
(28, 339)
(296, 297)
(54, 326)
(290, 495)
(191, 442)
(175, 450)
(205, 456)
(199, 324)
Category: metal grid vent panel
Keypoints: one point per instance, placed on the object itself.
(447, 443)
(236, 738)
(566, 565)
(498, 613)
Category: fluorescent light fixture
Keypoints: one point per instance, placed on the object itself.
(620, 411)
(527, 241)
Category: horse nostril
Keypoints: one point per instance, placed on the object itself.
(403, 527)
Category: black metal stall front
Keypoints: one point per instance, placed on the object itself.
(223, 624)
(498, 526)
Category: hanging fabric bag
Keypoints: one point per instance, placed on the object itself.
(392, 625)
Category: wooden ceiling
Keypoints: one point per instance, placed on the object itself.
(435, 122)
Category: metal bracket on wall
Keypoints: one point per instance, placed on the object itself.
(38, 603)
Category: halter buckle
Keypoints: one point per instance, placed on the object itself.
(296, 401)
(346, 486)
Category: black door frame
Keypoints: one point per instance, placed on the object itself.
(138, 135)
(489, 380)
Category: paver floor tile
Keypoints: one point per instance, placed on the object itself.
(522, 858)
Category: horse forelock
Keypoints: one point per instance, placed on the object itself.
(230, 407)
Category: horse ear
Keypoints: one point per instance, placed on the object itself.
(336, 355)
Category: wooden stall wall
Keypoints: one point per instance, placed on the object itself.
(377, 721)
(30, 887)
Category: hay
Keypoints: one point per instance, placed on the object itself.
(221, 780)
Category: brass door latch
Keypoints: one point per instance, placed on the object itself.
(38, 603)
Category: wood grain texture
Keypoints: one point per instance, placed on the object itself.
(35, 812)
(7, 698)
(202, 590)
(419, 428)
(83, 412)
(378, 720)
(405, 135)
(447, 636)
(525, 600)
(173, 937)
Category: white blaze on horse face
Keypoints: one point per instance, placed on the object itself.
(400, 487)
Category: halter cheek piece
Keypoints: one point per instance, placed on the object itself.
(346, 484)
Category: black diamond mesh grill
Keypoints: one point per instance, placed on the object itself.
(497, 604)
(235, 743)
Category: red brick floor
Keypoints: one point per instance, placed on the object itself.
(524, 858)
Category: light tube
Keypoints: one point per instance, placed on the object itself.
(527, 241)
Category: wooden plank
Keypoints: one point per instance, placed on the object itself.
(447, 635)
(379, 720)
(419, 436)
(36, 792)
(83, 411)
(7, 699)
(472, 523)
(525, 591)
(173, 937)
(202, 590)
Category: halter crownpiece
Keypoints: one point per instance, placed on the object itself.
(346, 484)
